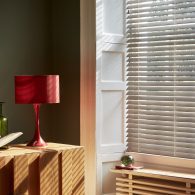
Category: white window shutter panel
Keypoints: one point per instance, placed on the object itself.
(110, 87)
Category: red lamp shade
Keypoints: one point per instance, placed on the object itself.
(38, 89)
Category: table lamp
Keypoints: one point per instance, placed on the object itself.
(37, 90)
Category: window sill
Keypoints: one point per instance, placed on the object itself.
(164, 162)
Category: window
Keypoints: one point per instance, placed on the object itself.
(161, 77)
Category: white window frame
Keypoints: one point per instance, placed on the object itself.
(164, 162)
(87, 116)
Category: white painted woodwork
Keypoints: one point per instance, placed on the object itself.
(112, 18)
(110, 90)
(107, 179)
(110, 102)
(112, 62)
(113, 21)
(104, 140)
(112, 118)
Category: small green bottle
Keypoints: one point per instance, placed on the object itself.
(3, 123)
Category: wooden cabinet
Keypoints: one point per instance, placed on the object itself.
(57, 169)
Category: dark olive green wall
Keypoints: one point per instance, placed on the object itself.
(41, 37)
(66, 62)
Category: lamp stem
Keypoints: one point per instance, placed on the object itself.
(37, 128)
(37, 140)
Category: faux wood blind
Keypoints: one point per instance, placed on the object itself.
(161, 77)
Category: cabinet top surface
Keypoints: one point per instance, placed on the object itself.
(147, 172)
(21, 149)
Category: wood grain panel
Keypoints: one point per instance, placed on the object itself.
(6, 175)
(21, 175)
(33, 177)
(57, 169)
(48, 167)
(67, 172)
(77, 169)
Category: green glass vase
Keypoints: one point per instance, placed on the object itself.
(3, 123)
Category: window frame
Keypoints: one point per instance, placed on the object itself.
(161, 161)
(164, 162)
(88, 91)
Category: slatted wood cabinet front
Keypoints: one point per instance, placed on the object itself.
(154, 182)
(57, 169)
